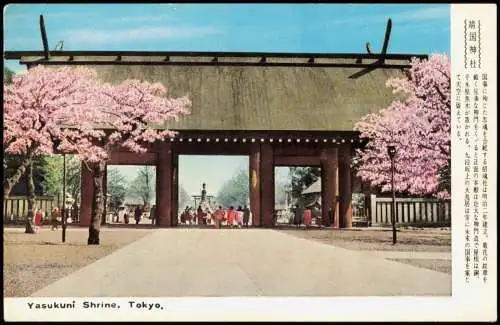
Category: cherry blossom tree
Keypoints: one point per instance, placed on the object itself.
(127, 116)
(39, 105)
(418, 123)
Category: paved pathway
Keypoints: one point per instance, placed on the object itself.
(237, 262)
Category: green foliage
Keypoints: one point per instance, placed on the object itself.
(12, 162)
(144, 185)
(52, 172)
(235, 192)
(52, 168)
(116, 188)
(303, 177)
(7, 76)
(73, 176)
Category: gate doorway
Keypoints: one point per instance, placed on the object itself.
(130, 198)
(297, 189)
(206, 182)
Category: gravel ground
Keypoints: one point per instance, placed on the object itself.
(32, 261)
(366, 239)
(425, 240)
(431, 264)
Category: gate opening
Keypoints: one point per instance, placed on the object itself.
(298, 194)
(130, 194)
(207, 182)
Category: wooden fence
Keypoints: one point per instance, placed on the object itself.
(414, 211)
(16, 207)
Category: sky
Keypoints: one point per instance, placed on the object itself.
(302, 28)
(324, 28)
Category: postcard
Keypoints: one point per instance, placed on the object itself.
(331, 162)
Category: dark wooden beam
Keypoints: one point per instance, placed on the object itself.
(46, 51)
(220, 63)
(255, 184)
(345, 187)
(297, 161)
(373, 56)
(267, 185)
(388, 29)
(164, 185)
(329, 185)
(132, 158)
(383, 53)
(175, 189)
(220, 148)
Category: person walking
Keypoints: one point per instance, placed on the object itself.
(37, 219)
(152, 214)
(54, 218)
(231, 214)
(246, 216)
(219, 217)
(199, 215)
(307, 217)
(184, 215)
(137, 215)
(239, 217)
(298, 215)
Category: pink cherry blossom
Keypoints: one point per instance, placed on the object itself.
(418, 124)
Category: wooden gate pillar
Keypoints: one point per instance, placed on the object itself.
(175, 189)
(87, 190)
(267, 185)
(329, 185)
(345, 204)
(164, 175)
(255, 184)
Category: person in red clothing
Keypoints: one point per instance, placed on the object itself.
(231, 214)
(199, 215)
(307, 217)
(38, 219)
(219, 216)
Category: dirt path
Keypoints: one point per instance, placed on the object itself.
(32, 261)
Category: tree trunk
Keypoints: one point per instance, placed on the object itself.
(9, 183)
(98, 170)
(29, 229)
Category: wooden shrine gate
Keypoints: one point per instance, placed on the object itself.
(329, 150)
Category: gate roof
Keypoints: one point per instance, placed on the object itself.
(253, 91)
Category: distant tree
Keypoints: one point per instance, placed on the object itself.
(52, 172)
(303, 177)
(7, 76)
(184, 197)
(419, 124)
(280, 196)
(116, 188)
(144, 184)
(235, 191)
(73, 176)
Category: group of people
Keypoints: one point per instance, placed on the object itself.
(55, 219)
(231, 217)
(137, 214)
